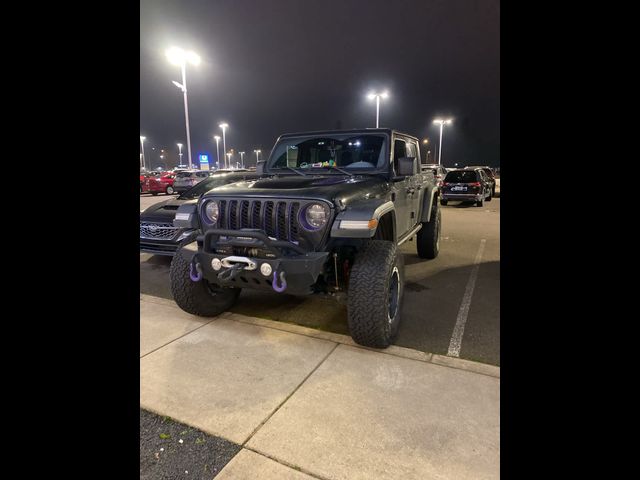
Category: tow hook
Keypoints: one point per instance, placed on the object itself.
(274, 284)
(197, 275)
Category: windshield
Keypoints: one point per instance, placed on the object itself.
(357, 152)
(461, 176)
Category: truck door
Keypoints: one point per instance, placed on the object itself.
(401, 190)
(415, 182)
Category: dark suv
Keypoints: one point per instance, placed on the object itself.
(490, 174)
(466, 184)
(327, 218)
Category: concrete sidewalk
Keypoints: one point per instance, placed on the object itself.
(307, 404)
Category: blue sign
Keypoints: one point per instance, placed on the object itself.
(204, 161)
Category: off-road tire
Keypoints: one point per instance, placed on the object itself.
(368, 301)
(198, 298)
(444, 202)
(428, 238)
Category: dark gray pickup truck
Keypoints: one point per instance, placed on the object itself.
(326, 217)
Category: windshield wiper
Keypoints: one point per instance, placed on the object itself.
(292, 169)
(339, 169)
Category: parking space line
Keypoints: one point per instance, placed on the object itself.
(458, 330)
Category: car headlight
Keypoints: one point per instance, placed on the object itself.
(211, 211)
(316, 216)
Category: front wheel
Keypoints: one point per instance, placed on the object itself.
(376, 285)
(198, 298)
(170, 190)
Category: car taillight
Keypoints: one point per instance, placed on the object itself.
(444, 184)
(474, 184)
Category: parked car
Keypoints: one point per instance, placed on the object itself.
(328, 217)
(185, 180)
(466, 184)
(162, 184)
(438, 170)
(490, 173)
(157, 233)
(144, 182)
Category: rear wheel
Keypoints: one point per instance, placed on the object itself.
(490, 196)
(428, 238)
(376, 285)
(444, 202)
(198, 298)
(480, 203)
(154, 193)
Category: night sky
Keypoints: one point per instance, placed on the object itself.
(277, 66)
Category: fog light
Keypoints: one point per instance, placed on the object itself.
(265, 269)
(216, 264)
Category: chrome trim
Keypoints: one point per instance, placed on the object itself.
(251, 265)
(157, 231)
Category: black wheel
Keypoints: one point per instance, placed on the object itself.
(198, 298)
(480, 203)
(376, 286)
(428, 239)
(444, 202)
(493, 192)
(488, 199)
(170, 190)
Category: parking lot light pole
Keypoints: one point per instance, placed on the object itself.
(257, 152)
(179, 57)
(217, 139)
(426, 142)
(229, 157)
(142, 139)
(441, 122)
(242, 159)
(377, 96)
(180, 152)
(224, 126)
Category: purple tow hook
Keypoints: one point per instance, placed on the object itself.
(274, 284)
(197, 276)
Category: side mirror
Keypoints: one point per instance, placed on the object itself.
(260, 167)
(407, 166)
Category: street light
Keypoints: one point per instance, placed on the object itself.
(217, 139)
(242, 159)
(441, 122)
(229, 157)
(179, 57)
(377, 96)
(426, 142)
(180, 150)
(257, 152)
(224, 126)
(142, 139)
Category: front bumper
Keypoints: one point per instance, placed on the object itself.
(301, 269)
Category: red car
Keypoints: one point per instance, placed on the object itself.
(144, 183)
(161, 184)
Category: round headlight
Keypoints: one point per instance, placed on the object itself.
(211, 211)
(316, 215)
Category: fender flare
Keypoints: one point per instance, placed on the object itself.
(430, 195)
(357, 217)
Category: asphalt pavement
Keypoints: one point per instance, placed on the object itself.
(451, 304)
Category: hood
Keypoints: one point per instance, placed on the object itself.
(328, 187)
(164, 212)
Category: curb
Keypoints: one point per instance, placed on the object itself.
(397, 351)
